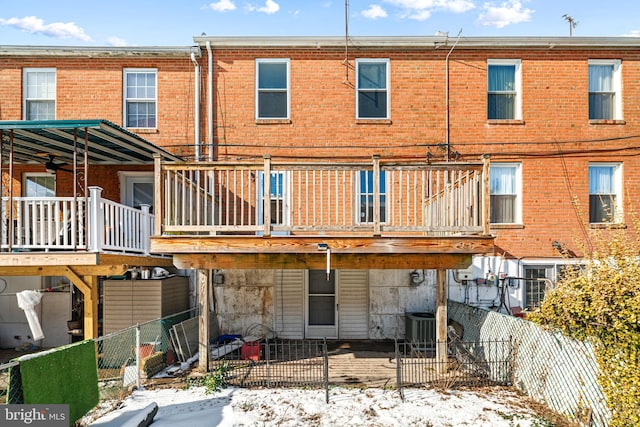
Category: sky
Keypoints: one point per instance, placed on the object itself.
(176, 22)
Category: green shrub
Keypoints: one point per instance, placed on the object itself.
(601, 303)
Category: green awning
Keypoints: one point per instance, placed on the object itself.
(108, 143)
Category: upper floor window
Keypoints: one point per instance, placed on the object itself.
(140, 98)
(605, 185)
(505, 190)
(278, 197)
(372, 89)
(504, 89)
(605, 100)
(272, 89)
(366, 197)
(39, 93)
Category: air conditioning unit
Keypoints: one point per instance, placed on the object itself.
(420, 327)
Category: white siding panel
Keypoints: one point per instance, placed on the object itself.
(353, 314)
(289, 303)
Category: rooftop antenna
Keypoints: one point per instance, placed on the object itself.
(346, 42)
(572, 23)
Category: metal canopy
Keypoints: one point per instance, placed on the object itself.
(34, 141)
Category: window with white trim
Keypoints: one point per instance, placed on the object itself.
(605, 84)
(39, 185)
(140, 97)
(39, 93)
(372, 89)
(537, 278)
(278, 198)
(272, 88)
(605, 192)
(504, 92)
(366, 197)
(505, 193)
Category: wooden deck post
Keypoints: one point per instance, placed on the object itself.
(203, 328)
(266, 197)
(441, 319)
(91, 308)
(486, 195)
(376, 195)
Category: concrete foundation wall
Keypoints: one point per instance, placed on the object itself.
(246, 299)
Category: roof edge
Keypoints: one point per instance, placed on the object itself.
(420, 42)
(98, 51)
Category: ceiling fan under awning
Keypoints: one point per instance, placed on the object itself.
(52, 167)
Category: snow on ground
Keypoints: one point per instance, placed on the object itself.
(347, 407)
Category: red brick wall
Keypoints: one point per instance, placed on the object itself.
(91, 88)
(554, 119)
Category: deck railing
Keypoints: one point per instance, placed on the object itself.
(375, 198)
(89, 224)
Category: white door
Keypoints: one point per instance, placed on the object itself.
(136, 189)
(321, 305)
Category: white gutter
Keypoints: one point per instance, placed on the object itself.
(197, 141)
(210, 101)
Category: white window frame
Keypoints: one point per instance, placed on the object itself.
(617, 182)
(25, 95)
(518, 190)
(384, 214)
(386, 89)
(617, 85)
(258, 90)
(285, 197)
(126, 100)
(26, 176)
(517, 63)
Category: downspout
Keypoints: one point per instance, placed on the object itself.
(446, 96)
(197, 107)
(210, 102)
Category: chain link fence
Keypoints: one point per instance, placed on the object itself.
(10, 390)
(553, 369)
(130, 355)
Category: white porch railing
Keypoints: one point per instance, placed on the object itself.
(339, 198)
(90, 224)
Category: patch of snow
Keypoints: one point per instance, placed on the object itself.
(193, 407)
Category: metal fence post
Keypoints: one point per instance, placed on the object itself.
(137, 356)
(267, 351)
(399, 371)
(326, 369)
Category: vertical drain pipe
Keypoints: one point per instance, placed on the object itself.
(198, 149)
(446, 88)
(210, 103)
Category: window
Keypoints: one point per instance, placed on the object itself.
(39, 93)
(372, 89)
(272, 89)
(278, 198)
(503, 97)
(505, 193)
(39, 185)
(366, 197)
(140, 98)
(535, 284)
(605, 101)
(605, 183)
